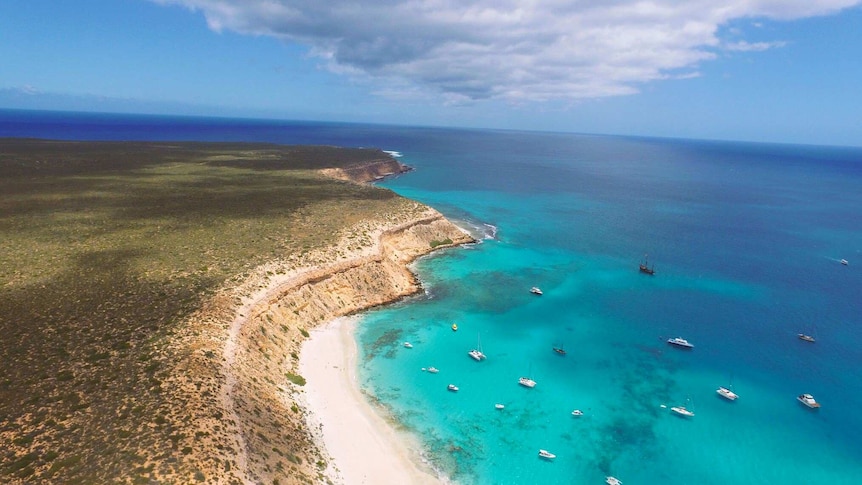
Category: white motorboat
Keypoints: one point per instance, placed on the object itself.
(432, 370)
(527, 382)
(546, 455)
(408, 345)
(536, 291)
(808, 400)
(452, 387)
(577, 412)
(613, 481)
(682, 411)
(844, 262)
(499, 406)
(680, 342)
(727, 393)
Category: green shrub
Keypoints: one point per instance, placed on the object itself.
(295, 378)
(444, 242)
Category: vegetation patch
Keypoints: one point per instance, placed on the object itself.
(105, 250)
(295, 378)
(444, 242)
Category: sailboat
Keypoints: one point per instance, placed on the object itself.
(476, 353)
(727, 392)
(560, 350)
(526, 381)
(645, 268)
(682, 411)
(805, 337)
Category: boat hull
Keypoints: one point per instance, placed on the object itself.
(808, 401)
(547, 455)
(680, 344)
(681, 411)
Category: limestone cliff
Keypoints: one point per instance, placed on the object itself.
(240, 377)
(368, 171)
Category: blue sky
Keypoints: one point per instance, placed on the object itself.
(761, 70)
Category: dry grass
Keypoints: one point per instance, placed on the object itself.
(104, 249)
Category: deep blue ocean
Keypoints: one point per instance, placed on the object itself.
(746, 241)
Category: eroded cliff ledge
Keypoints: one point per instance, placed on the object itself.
(368, 171)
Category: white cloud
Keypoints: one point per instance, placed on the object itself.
(517, 50)
(28, 90)
(743, 46)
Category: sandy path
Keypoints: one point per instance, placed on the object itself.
(364, 447)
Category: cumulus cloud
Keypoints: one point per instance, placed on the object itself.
(517, 50)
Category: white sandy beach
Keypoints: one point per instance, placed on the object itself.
(364, 447)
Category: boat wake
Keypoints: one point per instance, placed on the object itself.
(837, 260)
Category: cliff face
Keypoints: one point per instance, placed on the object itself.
(367, 171)
(267, 409)
(253, 425)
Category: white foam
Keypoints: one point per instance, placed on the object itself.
(491, 232)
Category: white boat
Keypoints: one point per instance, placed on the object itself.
(535, 290)
(476, 354)
(408, 345)
(499, 406)
(844, 262)
(807, 338)
(680, 342)
(577, 412)
(433, 370)
(452, 387)
(682, 411)
(808, 400)
(527, 382)
(613, 481)
(726, 393)
(546, 455)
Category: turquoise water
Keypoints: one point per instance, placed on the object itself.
(745, 239)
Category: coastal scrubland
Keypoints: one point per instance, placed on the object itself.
(128, 272)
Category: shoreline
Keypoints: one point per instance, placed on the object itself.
(364, 447)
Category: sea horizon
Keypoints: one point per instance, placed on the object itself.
(746, 239)
(8, 115)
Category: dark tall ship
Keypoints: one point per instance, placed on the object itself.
(645, 268)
